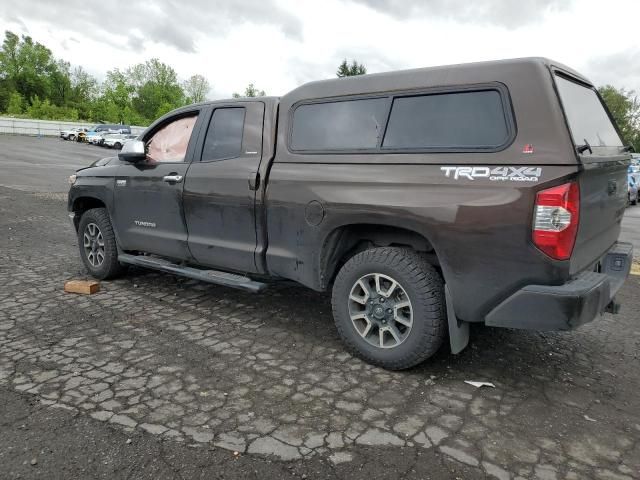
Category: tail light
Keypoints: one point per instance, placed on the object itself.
(555, 223)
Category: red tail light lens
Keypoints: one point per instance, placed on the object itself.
(555, 222)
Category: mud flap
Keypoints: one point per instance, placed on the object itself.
(458, 330)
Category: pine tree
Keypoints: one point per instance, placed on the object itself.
(251, 91)
(346, 70)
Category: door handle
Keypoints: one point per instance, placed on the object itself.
(173, 178)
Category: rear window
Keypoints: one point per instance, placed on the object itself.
(587, 118)
(447, 120)
(343, 125)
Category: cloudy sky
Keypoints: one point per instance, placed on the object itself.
(279, 44)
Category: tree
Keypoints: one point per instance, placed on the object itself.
(346, 70)
(156, 88)
(250, 91)
(16, 104)
(625, 109)
(59, 76)
(196, 89)
(29, 68)
(84, 90)
(116, 97)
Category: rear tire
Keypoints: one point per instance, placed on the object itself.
(97, 243)
(402, 320)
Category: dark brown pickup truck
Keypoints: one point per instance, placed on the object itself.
(423, 199)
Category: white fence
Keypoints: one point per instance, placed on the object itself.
(48, 128)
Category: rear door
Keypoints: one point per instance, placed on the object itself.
(148, 210)
(220, 188)
(603, 177)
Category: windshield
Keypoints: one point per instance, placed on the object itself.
(588, 120)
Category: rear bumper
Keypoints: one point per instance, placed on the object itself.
(565, 307)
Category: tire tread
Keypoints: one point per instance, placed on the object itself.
(101, 217)
(426, 281)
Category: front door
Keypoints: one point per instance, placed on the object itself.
(148, 195)
(219, 192)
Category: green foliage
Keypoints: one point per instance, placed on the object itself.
(35, 84)
(45, 110)
(250, 91)
(346, 70)
(156, 88)
(625, 109)
(16, 104)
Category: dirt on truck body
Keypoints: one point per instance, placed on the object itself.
(424, 199)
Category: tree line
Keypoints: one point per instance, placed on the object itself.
(35, 84)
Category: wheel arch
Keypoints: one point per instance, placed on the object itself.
(81, 204)
(344, 241)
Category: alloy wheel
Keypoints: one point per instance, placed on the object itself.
(380, 310)
(93, 243)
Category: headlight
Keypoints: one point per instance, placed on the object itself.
(72, 179)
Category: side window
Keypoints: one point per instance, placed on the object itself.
(344, 125)
(224, 135)
(447, 120)
(169, 144)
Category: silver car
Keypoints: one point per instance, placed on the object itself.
(117, 140)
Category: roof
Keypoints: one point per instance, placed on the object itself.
(465, 73)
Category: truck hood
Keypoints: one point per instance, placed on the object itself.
(99, 163)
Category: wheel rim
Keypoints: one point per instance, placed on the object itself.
(380, 310)
(93, 243)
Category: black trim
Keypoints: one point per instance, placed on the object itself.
(501, 88)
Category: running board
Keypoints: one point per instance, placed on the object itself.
(211, 276)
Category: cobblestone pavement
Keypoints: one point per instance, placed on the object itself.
(265, 375)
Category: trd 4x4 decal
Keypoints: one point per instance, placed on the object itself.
(498, 174)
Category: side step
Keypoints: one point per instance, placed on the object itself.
(210, 276)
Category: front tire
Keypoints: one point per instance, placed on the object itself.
(97, 243)
(389, 309)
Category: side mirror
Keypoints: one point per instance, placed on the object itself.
(133, 151)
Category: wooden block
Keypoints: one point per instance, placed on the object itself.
(86, 287)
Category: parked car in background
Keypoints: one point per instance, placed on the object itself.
(633, 190)
(96, 138)
(100, 130)
(634, 171)
(117, 140)
(71, 133)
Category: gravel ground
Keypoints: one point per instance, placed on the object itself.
(162, 377)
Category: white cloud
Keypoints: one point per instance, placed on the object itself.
(279, 44)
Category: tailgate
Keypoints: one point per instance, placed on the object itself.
(603, 199)
(603, 176)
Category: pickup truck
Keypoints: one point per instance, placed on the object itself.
(424, 200)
